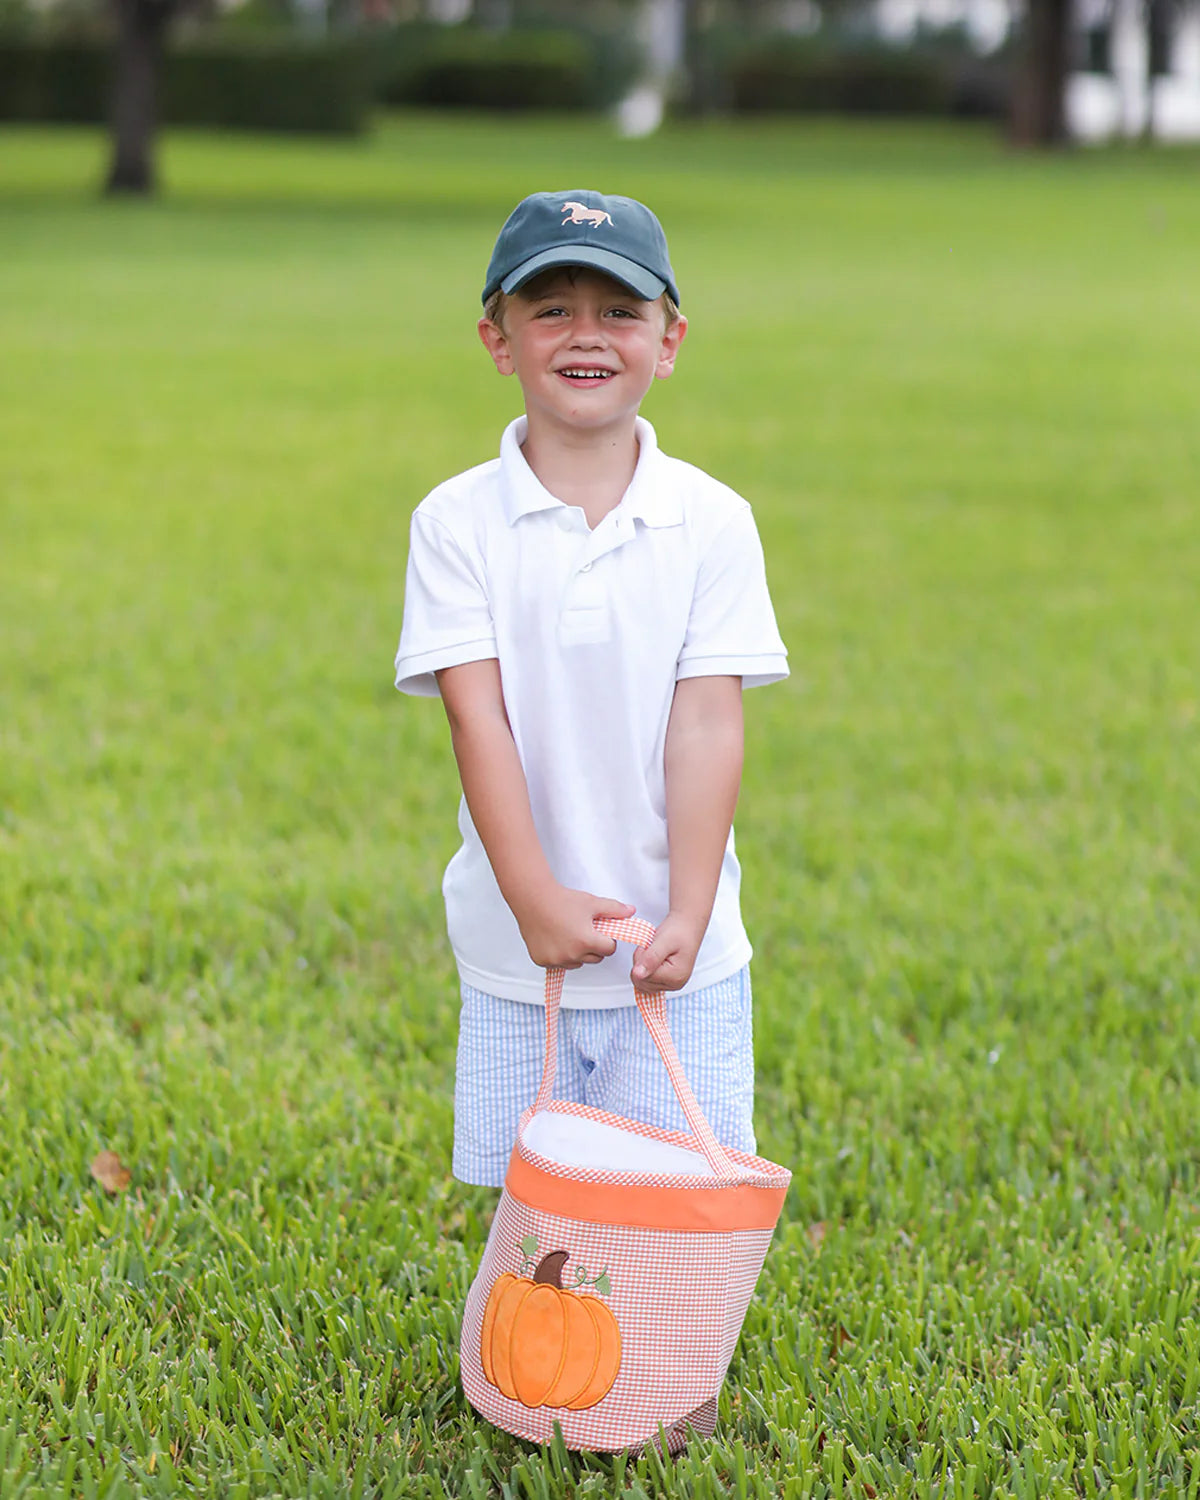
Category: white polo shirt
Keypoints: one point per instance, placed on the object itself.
(592, 630)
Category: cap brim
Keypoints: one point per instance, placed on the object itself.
(639, 281)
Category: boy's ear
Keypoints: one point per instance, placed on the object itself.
(672, 339)
(496, 344)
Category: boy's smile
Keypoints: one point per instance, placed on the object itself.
(585, 349)
(582, 374)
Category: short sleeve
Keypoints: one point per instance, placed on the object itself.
(447, 617)
(731, 629)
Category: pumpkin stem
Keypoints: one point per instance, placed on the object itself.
(549, 1271)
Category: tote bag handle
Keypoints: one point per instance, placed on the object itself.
(654, 1013)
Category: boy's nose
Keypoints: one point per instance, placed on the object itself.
(587, 328)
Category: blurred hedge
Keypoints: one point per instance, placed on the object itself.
(269, 85)
(837, 71)
(64, 81)
(274, 81)
(513, 70)
(525, 68)
(249, 84)
(803, 75)
(271, 80)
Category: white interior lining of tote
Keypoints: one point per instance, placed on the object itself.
(576, 1141)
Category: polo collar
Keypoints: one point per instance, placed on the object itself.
(650, 497)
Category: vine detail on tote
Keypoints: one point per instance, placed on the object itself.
(542, 1343)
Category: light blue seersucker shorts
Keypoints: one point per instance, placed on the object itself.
(606, 1058)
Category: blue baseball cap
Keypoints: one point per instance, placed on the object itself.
(618, 236)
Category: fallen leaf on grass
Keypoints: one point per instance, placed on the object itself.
(110, 1173)
(840, 1339)
(816, 1234)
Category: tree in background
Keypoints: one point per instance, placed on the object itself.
(685, 46)
(1162, 17)
(137, 68)
(1039, 88)
(1136, 42)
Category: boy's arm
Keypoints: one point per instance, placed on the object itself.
(555, 921)
(703, 771)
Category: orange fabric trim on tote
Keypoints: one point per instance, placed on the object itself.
(704, 1210)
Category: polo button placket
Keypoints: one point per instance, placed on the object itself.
(585, 616)
(607, 537)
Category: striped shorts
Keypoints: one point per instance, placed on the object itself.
(606, 1058)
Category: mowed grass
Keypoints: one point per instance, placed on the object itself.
(959, 388)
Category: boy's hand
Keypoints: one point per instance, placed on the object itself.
(558, 930)
(667, 963)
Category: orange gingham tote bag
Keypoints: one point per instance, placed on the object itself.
(619, 1266)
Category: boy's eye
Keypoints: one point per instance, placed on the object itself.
(610, 312)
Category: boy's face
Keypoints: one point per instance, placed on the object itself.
(584, 348)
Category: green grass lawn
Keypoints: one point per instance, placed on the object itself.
(959, 388)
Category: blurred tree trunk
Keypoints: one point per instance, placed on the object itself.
(137, 66)
(699, 88)
(1038, 116)
(1160, 18)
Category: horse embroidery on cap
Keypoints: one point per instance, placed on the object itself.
(580, 213)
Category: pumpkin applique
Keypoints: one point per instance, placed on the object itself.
(545, 1345)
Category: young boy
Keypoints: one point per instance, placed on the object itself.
(589, 611)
